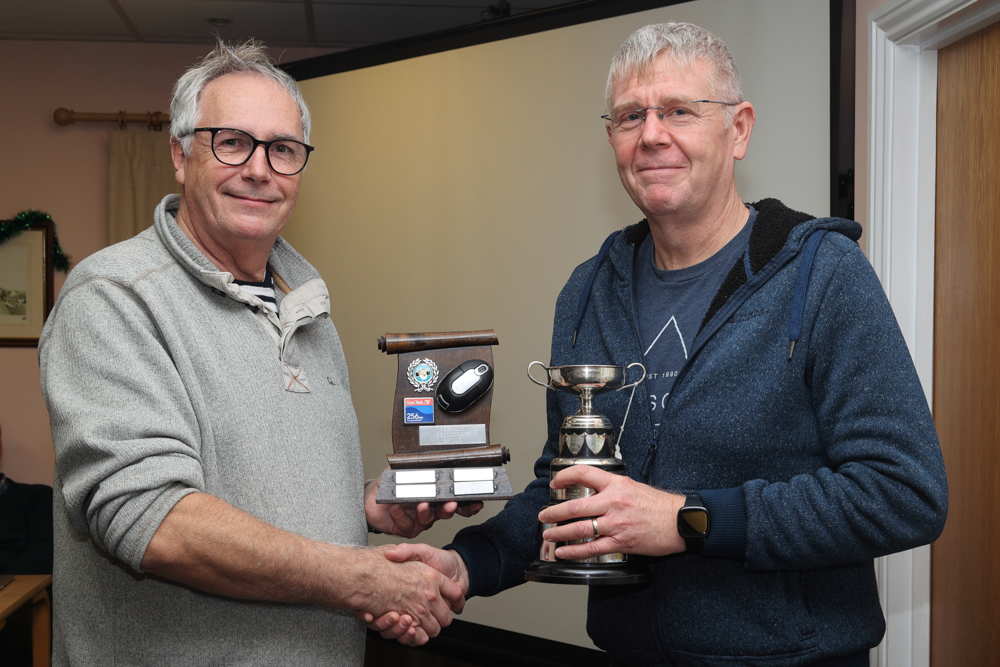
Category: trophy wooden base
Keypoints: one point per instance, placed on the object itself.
(588, 574)
(438, 485)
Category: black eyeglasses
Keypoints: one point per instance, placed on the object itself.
(234, 148)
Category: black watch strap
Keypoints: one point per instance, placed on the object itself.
(693, 523)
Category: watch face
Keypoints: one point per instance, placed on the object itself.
(694, 522)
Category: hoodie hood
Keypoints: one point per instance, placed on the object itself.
(778, 236)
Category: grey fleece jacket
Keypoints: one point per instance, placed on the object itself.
(163, 378)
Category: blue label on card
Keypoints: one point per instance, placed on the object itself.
(418, 410)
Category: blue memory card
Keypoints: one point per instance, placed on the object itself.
(418, 410)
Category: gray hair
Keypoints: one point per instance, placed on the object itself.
(684, 43)
(250, 57)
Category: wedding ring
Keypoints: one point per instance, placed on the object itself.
(597, 533)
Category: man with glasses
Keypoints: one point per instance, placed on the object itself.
(210, 503)
(785, 441)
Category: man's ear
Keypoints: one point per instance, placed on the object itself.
(178, 158)
(743, 121)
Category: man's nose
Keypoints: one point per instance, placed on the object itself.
(257, 167)
(654, 131)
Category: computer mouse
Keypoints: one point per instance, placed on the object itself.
(463, 386)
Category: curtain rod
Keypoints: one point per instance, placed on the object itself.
(154, 120)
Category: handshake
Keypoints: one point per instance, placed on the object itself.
(418, 588)
(409, 592)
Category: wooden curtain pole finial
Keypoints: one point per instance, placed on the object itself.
(63, 116)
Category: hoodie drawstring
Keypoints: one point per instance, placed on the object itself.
(801, 287)
(585, 294)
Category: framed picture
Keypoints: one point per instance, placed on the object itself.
(25, 285)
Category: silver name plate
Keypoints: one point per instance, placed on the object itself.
(416, 491)
(458, 434)
(474, 488)
(415, 476)
(472, 474)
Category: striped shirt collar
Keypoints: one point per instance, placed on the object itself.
(264, 290)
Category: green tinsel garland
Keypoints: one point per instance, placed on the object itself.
(24, 221)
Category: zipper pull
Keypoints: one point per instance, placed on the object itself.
(650, 453)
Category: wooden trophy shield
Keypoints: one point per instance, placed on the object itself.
(441, 420)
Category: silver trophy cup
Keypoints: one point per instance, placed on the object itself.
(585, 438)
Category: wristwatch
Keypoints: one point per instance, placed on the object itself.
(693, 523)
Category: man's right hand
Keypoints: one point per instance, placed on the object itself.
(208, 544)
(401, 626)
(410, 595)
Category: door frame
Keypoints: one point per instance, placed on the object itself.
(903, 39)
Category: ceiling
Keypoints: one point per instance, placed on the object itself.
(331, 24)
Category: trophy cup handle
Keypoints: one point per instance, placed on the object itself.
(541, 384)
(641, 377)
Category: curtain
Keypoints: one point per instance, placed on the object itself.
(141, 174)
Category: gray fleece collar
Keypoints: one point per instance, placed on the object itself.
(288, 266)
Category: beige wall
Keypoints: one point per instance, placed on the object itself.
(458, 191)
(63, 171)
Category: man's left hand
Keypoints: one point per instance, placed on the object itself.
(632, 518)
(409, 520)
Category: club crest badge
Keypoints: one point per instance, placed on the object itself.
(422, 374)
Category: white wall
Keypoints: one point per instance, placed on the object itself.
(863, 8)
(458, 190)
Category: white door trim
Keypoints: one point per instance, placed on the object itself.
(903, 38)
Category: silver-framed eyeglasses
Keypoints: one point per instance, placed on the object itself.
(675, 113)
(234, 147)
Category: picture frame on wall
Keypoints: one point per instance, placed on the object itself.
(26, 291)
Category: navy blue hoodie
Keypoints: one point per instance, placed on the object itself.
(800, 420)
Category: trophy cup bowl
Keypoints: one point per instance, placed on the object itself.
(597, 379)
(585, 438)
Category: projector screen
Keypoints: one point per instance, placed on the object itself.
(457, 191)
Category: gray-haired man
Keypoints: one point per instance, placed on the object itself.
(784, 441)
(210, 504)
